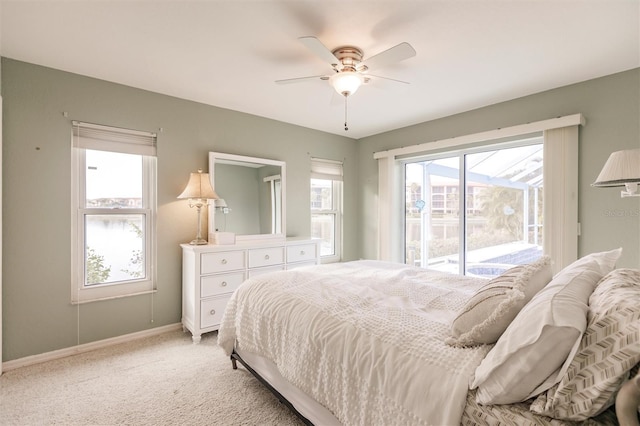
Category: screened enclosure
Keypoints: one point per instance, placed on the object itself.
(475, 211)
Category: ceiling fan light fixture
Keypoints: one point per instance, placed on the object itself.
(346, 83)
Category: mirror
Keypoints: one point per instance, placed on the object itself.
(253, 190)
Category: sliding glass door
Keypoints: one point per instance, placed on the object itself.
(477, 211)
(432, 220)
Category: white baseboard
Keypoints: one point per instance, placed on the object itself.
(86, 347)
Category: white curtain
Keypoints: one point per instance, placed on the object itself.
(560, 202)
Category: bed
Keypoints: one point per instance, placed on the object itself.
(379, 343)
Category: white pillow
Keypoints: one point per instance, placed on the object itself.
(606, 261)
(536, 349)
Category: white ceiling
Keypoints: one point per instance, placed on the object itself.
(229, 53)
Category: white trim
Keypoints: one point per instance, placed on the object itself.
(87, 347)
(338, 221)
(332, 171)
(1, 235)
(83, 294)
(521, 129)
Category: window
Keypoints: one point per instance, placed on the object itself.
(275, 189)
(326, 207)
(113, 212)
(560, 138)
(485, 209)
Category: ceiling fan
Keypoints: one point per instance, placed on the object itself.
(350, 71)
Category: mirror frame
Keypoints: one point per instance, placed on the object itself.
(213, 156)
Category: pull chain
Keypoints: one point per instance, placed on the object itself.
(345, 113)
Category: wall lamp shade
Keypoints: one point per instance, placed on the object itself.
(346, 83)
(220, 203)
(198, 191)
(621, 169)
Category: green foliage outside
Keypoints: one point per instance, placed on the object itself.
(503, 208)
(96, 271)
(136, 262)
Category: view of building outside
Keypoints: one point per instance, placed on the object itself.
(501, 215)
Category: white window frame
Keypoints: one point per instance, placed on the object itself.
(88, 136)
(561, 227)
(331, 170)
(275, 189)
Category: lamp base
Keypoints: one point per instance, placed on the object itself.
(631, 190)
(199, 242)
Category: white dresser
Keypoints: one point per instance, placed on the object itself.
(210, 274)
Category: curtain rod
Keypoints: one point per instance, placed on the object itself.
(456, 141)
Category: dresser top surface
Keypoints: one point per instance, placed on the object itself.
(239, 245)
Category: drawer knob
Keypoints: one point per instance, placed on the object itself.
(213, 312)
(302, 252)
(224, 261)
(223, 283)
(266, 256)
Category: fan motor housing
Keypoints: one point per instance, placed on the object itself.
(349, 57)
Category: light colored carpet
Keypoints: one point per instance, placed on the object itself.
(161, 380)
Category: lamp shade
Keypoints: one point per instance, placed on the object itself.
(199, 186)
(621, 168)
(346, 82)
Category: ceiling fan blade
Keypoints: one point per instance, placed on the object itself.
(394, 54)
(319, 49)
(387, 78)
(302, 79)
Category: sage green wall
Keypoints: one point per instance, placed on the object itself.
(611, 106)
(37, 314)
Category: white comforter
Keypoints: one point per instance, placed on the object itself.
(365, 339)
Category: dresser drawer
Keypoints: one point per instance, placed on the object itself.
(211, 311)
(259, 271)
(266, 257)
(212, 285)
(301, 253)
(221, 261)
(300, 264)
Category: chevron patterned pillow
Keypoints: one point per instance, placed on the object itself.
(609, 349)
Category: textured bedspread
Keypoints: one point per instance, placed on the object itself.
(365, 338)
